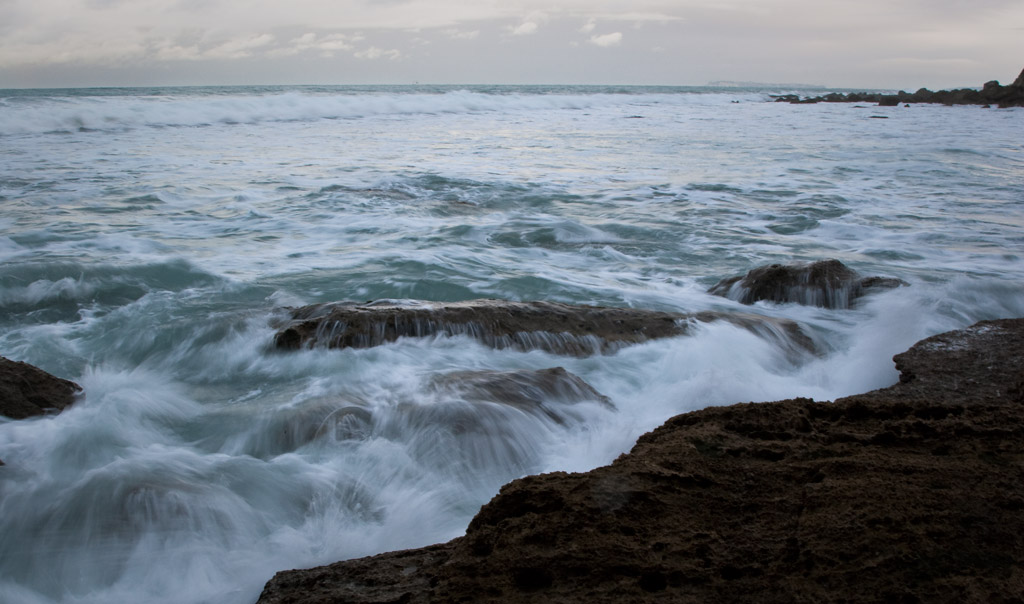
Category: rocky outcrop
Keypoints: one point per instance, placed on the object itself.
(26, 390)
(913, 493)
(550, 326)
(992, 93)
(827, 283)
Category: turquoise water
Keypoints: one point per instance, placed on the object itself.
(150, 237)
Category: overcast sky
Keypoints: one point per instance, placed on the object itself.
(837, 43)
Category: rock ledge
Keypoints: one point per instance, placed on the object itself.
(554, 327)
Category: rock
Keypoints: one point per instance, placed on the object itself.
(985, 362)
(286, 429)
(1019, 82)
(912, 493)
(991, 93)
(546, 391)
(520, 388)
(826, 283)
(26, 390)
(923, 95)
(549, 326)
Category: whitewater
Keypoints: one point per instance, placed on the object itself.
(152, 239)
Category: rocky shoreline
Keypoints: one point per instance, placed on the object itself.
(913, 493)
(991, 93)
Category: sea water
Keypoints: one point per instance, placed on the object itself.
(151, 238)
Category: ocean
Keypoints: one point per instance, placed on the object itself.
(152, 239)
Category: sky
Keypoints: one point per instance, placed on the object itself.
(836, 43)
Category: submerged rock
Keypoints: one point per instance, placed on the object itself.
(288, 428)
(912, 493)
(452, 402)
(547, 390)
(479, 425)
(826, 283)
(521, 387)
(26, 390)
(550, 326)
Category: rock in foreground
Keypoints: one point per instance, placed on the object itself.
(826, 283)
(26, 390)
(550, 326)
(913, 493)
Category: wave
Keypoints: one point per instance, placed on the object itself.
(68, 114)
(32, 293)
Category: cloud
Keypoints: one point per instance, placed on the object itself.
(530, 24)
(238, 48)
(919, 62)
(328, 43)
(869, 43)
(607, 40)
(336, 42)
(168, 51)
(378, 53)
(455, 34)
(640, 18)
(524, 29)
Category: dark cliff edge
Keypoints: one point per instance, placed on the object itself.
(991, 93)
(913, 493)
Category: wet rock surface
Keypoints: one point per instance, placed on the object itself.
(457, 411)
(26, 391)
(550, 326)
(913, 493)
(826, 283)
(991, 93)
(287, 429)
(545, 390)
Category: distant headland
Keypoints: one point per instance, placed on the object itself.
(991, 93)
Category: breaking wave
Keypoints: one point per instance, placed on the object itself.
(66, 114)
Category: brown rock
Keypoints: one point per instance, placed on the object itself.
(913, 493)
(544, 390)
(26, 390)
(826, 283)
(983, 362)
(550, 326)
